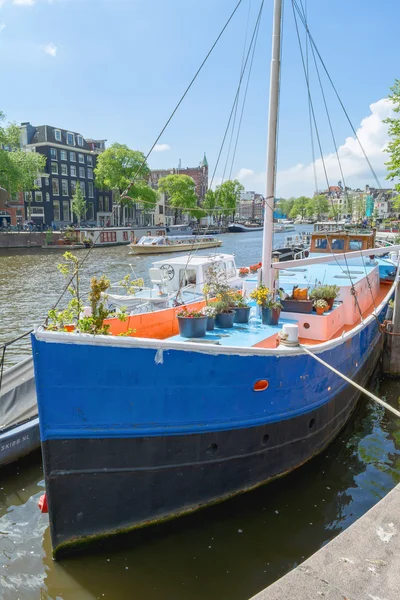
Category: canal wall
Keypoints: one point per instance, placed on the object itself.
(362, 563)
(25, 239)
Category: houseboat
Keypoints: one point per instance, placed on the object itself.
(169, 425)
(160, 244)
(87, 237)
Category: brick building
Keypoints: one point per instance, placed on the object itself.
(162, 214)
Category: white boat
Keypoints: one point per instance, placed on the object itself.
(283, 227)
(162, 244)
(174, 281)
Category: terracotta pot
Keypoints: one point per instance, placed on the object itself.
(69, 327)
(330, 302)
(320, 310)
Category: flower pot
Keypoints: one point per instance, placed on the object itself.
(242, 314)
(330, 302)
(320, 310)
(210, 323)
(69, 327)
(192, 327)
(243, 274)
(225, 320)
(270, 316)
(300, 306)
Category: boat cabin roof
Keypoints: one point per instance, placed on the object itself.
(195, 260)
(341, 241)
(156, 240)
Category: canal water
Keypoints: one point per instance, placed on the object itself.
(231, 550)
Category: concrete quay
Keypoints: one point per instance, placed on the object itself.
(362, 563)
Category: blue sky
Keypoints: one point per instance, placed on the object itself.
(115, 68)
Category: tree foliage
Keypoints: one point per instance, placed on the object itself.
(117, 167)
(18, 169)
(227, 196)
(318, 206)
(299, 207)
(78, 206)
(180, 191)
(209, 204)
(393, 147)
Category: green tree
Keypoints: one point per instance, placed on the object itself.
(78, 206)
(180, 191)
(209, 204)
(126, 172)
(285, 206)
(227, 196)
(299, 207)
(318, 206)
(18, 169)
(393, 147)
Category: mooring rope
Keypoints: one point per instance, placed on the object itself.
(351, 382)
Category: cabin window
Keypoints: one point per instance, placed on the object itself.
(355, 245)
(321, 243)
(337, 244)
(187, 276)
(230, 268)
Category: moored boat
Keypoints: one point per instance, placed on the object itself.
(166, 244)
(244, 227)
(168, 425)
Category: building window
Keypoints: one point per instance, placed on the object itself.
(63, 155)
(90, 212)
(64, 187)
(38, 197)
(70, 139)
(90, 189)
(89, 160)
(55, 187)
(101, 204)
(54, 168)
(56, 209)
(72, 156)
(80, 140)
(64, 169)
(53, 153)
(82, 183)
(46, 181)
(47, 197)
(106, 207)
(57, 135)
(90, 173)
(160, 210)
(81, 158)
(38, 182)
(65, 210)
(73, 170)
(73, 186)
(82, 172)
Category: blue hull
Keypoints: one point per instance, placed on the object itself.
(133, 435)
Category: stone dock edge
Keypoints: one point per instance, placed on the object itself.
(361, 563)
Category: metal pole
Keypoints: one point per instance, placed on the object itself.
(267, 276)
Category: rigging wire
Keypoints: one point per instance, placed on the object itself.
(237, 92)
(183, 96)
(237, 103)
(294, 3)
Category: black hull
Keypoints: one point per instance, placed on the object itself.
(100, 487)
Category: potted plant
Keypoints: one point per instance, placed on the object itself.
(225, 315)
(240, 306)
(297, 302)
(217, 287)
(321, 306)
(87, 242)
(209, 312)
(192, 323)
(270, 307)
(254, 268)
(325, 292)
(244, 271)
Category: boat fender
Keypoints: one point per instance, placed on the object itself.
(306, 254)
(42, 504)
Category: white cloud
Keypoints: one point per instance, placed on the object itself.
(161, 148)
(2, 26)
(24, 2)
(299, 179)
(50, 49)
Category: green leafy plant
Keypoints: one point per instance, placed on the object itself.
(97, 299)
(325, 292)
(131, 286)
